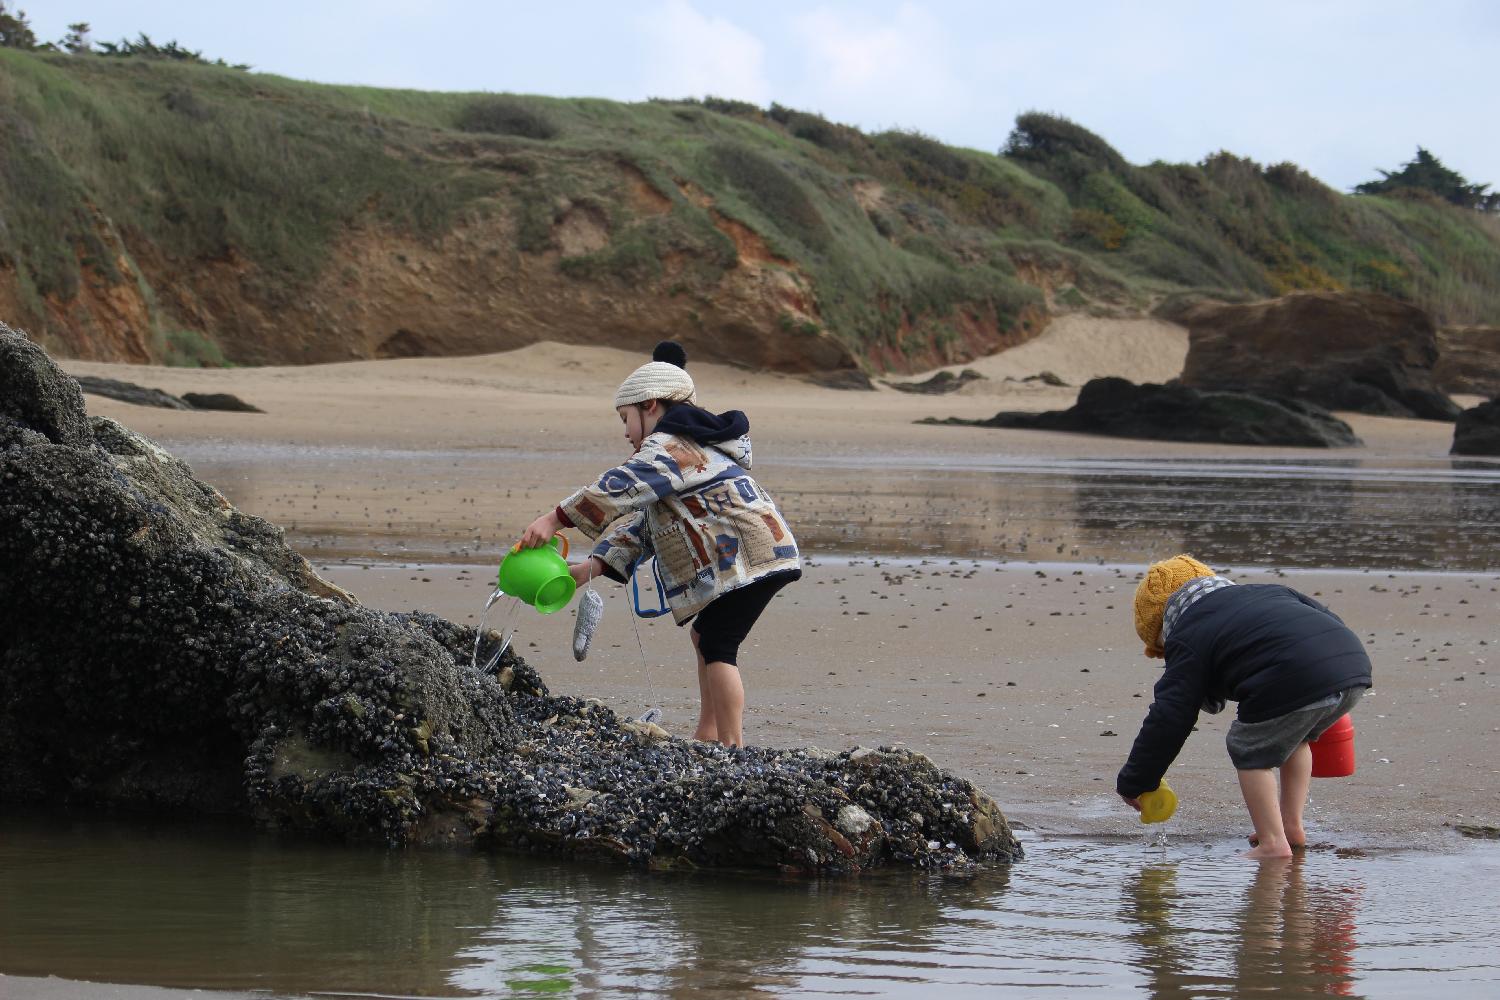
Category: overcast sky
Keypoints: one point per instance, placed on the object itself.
(1339, 87)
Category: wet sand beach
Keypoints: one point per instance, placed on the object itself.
(935, 612)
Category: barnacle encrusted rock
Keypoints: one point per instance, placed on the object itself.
(162, 651)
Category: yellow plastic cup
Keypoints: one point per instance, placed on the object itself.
(539, 576)
(1159, 804)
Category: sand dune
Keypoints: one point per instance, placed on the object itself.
(1077, 348)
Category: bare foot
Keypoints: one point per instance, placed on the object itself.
(1297, 841)
(1259, 853)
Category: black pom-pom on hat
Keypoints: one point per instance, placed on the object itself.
(671, 352)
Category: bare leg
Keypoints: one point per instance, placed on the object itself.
(1296, 775)
(708, 728)
(1259, 789)
(728, 694)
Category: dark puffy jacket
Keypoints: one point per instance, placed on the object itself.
(1265, 646)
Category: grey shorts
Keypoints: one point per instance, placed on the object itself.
(1254, 746)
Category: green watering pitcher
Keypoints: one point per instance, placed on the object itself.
(539, 576)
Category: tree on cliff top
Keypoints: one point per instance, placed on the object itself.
(1427, 173)
(77, 40)
(15, 31)
(143, 47)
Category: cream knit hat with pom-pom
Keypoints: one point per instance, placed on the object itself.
(657, 380)
(1161, 582)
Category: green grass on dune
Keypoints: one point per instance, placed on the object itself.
(897, 233)
(199, 162)
(1267, 230)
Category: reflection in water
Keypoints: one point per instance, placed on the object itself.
(1299, 935)
(120, 903)
(1328, 513)
(199, 907)
(1284, 938)
(1438, 514)
(599, 930)
(1329, 516)
(1164, 953)
(1261, 521)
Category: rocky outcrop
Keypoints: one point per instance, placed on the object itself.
(162, 651)
(129, 392)
(1118, 408)
(940, 384)
(848, 380)
(1339, 350)
(140, 395)
(224, 401)
(1468, 360)
(1477, 431)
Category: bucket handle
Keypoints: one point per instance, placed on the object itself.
(635, 592)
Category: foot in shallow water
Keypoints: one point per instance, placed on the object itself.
(1298, 843)
(1259, 853)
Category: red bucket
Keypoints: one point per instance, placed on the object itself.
(1333, 752)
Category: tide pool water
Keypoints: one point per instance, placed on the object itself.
(1366, 513)
(1155, 917)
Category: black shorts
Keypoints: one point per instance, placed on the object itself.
(727, 620)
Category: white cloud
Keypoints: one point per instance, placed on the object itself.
(897, 70)
(688, 54)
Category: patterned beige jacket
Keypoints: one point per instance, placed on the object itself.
(711, 527)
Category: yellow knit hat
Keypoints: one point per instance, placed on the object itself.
(1161, 582)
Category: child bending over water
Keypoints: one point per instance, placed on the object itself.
(1290, 663)
(686, 497)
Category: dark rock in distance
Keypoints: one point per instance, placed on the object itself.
(139, 395)
(1116, 407)
(129, 392)
(1357, 351)
(219, 401)
(940, 384)
(1477, 831)
(849, 379)
(1477, 431)
(162, 652)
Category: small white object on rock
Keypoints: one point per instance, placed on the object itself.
(853, 821)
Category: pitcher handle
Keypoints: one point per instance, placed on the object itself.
(559, 537)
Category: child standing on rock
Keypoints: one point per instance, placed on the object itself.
(1290, 663)
(686, 497)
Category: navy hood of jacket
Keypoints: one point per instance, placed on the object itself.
(689, 421)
